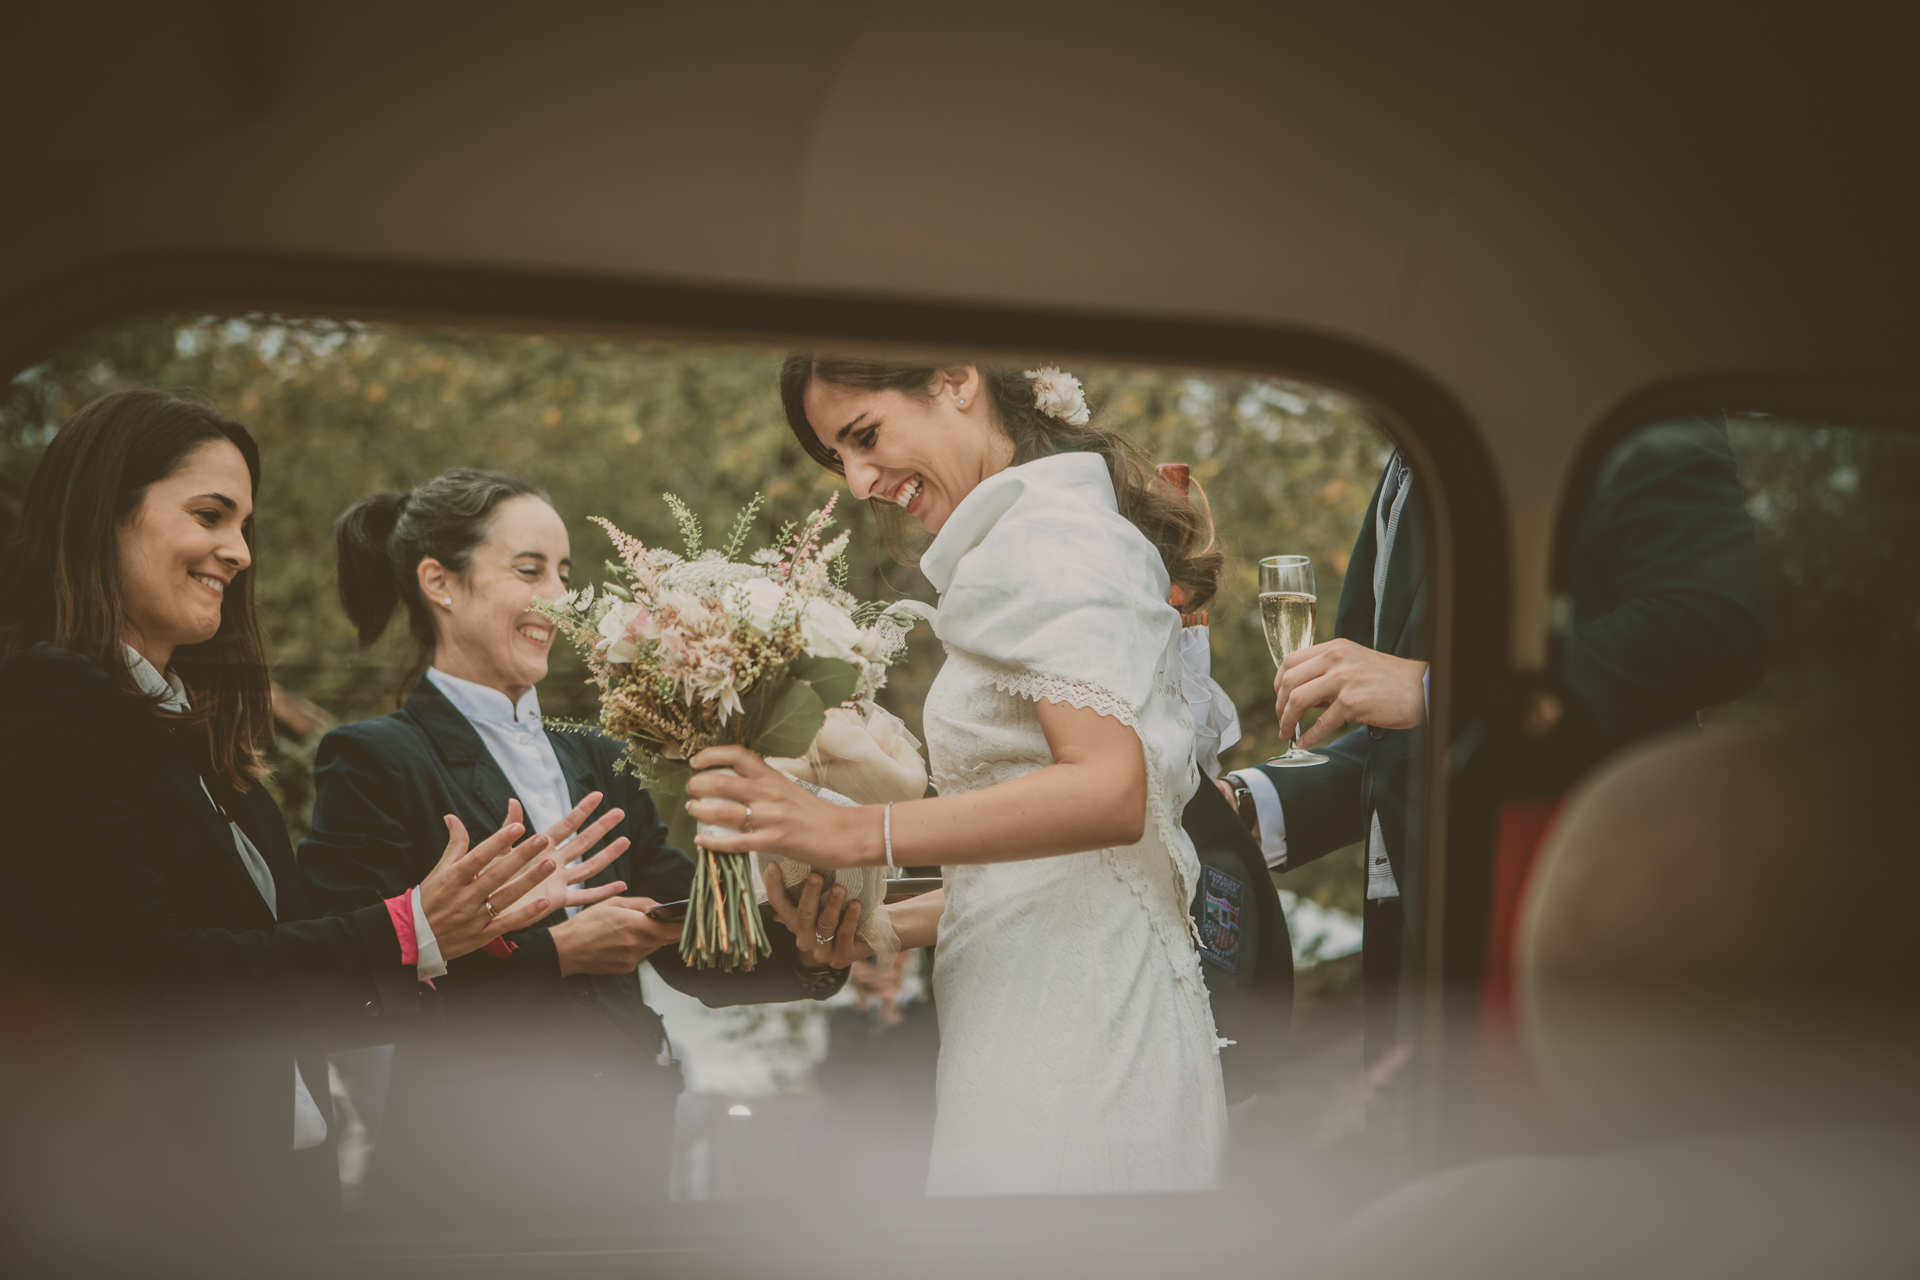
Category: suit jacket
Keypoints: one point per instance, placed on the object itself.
(1369, 770)
(149, 924)
(1668, 619)
(563, 1078)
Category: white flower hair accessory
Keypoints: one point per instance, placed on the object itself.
(1057, 394)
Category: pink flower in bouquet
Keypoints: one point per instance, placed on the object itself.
(712, 676)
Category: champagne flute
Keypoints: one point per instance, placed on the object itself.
(1287, 608)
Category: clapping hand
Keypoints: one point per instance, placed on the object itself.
(458, 894)
(559, 887)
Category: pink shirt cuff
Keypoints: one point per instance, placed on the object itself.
(400, 911)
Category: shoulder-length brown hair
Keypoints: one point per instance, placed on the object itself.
(60, 581)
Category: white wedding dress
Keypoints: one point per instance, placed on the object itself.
(1077, 1046)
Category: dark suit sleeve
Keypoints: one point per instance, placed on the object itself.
(1668, 612)
(140, 927)
(1322, 803)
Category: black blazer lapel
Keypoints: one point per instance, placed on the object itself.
(184, 780)
(260, 818)
(1355, 618)
(472, 767)
(468, 761)
(583, 778)
(577, 763)
(1406, 572)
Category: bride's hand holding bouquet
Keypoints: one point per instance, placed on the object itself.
(774, 818)
(708, 661)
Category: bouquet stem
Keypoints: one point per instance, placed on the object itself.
(723, 913)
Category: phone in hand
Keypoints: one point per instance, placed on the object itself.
(669, 912)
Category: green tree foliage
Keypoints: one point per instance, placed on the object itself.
(344, 410)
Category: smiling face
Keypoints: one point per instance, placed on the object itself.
(490, 634)
(923, 455)
(182, 548)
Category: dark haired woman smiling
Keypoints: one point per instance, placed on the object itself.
(542, 1042)
(135, 682)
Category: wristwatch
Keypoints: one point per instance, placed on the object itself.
(1244, 806)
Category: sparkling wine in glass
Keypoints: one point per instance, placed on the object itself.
(1287, 607)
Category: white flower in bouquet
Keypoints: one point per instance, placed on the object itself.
(758, 602)
(621, 629)
(708, 576)
(827, 631)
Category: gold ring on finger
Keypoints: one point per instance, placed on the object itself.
(488, 904)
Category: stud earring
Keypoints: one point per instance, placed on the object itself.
(963, 404)
(447, 601)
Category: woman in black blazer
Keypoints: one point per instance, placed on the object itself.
(135, 685)
(540, 1044)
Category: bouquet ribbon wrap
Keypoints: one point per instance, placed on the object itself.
(863, 754)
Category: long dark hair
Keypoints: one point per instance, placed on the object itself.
(382, 539)
(61, 584)
(1182, 534)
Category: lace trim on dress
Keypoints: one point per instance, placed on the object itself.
(1035, 684)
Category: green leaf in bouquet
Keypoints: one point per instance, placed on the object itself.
(667, 785)
(791, 722)
(616, 590)
(833, 679)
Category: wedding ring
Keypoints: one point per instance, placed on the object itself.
(747, 825)
(824, 941)
(488, 904)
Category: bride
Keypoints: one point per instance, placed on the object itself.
(1077, 1047)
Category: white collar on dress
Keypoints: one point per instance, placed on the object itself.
(168, 687)
(486, 705)
(1061, 478)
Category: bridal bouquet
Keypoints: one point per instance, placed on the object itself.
(710, 648)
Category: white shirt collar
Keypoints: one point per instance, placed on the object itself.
(486, 705)
(168, 687)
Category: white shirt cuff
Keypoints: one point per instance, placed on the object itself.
(1273, 819)
(429, 964)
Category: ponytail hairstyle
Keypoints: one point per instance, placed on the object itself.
(60, 579)
(381, 540)
(1182, 534)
